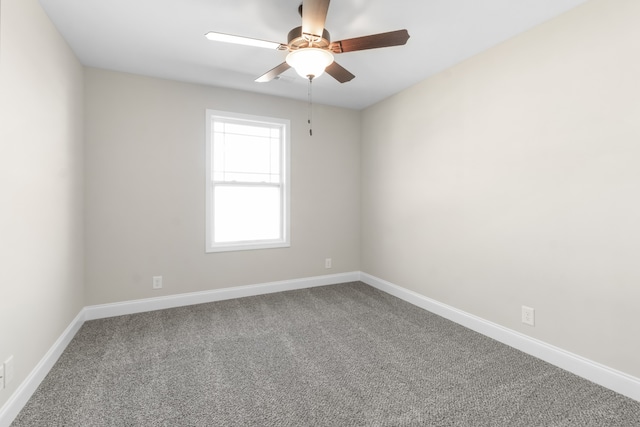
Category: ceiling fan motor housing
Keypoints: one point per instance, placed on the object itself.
(297, 40)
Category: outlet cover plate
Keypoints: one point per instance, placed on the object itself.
(157, 282)
(528, 316)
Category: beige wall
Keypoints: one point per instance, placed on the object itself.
(513, 178)
(145, 177)
(41, 261)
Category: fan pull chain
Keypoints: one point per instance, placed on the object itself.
(310, 115)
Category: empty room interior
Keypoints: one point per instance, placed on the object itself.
(481, 175)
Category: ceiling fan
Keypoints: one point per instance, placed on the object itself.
(310, 47)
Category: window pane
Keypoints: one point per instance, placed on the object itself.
(246, 154)
(246, 214)
(245, 158)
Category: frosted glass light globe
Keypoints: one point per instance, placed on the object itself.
(310, 62)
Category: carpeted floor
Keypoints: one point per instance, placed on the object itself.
(342, 355)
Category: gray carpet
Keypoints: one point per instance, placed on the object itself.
(342, 355)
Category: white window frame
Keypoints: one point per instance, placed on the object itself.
(284, 240)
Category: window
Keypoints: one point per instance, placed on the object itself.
(247, 182)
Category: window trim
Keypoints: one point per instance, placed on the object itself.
(285, 223)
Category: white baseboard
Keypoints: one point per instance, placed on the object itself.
(585, 368)
(181, 300)
(21, 396)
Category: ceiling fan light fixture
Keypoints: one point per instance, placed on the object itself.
(310, 62)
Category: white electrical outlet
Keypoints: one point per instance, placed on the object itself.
(327, 263)
(157, 282)
(528, 315)
(8, 371)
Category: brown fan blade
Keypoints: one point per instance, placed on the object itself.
(314, 15)
(339, 73)
(374, 41)
(273, 73)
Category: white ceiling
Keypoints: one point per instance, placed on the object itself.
(165, 38)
